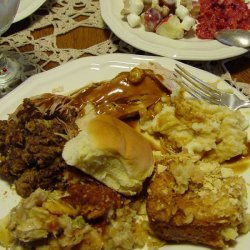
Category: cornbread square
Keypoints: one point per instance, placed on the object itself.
(199, 203)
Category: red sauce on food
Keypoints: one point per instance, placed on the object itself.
(222, 14)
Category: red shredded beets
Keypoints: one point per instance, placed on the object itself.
(221, 14)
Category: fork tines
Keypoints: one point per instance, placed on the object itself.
(196, 87)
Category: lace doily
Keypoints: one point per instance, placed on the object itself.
(63, 16)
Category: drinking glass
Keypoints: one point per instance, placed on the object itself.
(9, 67)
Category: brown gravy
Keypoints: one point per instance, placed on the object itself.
(239, 164)
(120, 97)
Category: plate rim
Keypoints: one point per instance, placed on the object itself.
(32, 7)
(224, 52)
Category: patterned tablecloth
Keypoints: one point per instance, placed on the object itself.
(63, 16)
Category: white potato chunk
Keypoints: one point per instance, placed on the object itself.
(133, 20)
(187, 23)
(181, 11)
(136, 6)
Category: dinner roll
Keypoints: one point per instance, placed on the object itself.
(112, 152)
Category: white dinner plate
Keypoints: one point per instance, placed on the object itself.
(183, 49)
(26, 8)
(79, 73)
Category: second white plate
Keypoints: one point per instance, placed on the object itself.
(26, 8)
(183, 49)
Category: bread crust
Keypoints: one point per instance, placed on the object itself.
(112, 152)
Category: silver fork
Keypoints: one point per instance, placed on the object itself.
(203, 91)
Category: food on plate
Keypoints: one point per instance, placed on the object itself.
(123, 95)
(177, 19)
(56, 218)
(198, 203)
(112, 152)
(193, 197)
(217, 15)
(170, 27)
(166, 17)
(30, 149)
(204, 132)
(32, 158)
(123, 164)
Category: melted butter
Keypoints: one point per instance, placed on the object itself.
(120, 97)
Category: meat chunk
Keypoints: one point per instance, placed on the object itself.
(48, 178)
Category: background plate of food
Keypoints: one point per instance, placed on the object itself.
(172, 35)
(52, 136)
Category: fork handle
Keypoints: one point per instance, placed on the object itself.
(244, 105)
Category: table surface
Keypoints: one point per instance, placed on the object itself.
(84, 37)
